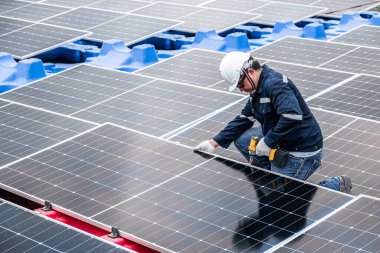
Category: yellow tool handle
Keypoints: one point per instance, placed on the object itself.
(271, 154)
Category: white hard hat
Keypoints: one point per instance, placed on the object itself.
(231, 67)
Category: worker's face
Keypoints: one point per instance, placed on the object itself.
(245, 85)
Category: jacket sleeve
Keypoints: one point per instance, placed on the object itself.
(236, 127)
(288, 109)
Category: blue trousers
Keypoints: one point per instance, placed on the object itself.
(296, 167)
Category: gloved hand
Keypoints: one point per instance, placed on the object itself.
(262, 148)
(205, 146)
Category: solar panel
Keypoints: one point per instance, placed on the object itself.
(83, 18)
(196, 67)
(35, 12)
(70, 3)
(353, 149)
(159, 107)
(25, 131)
(9, 25)
(119, 5)
(188, 2)
(273, 12)
(359, 97)
(115, 176)
(303, 51)
(131, 28)
(361, 60)
(361, 36)
(236, 5)
(354, 228)
(208, 128)
(7, 5)
(339, 7)
(75, 89)
(220, 21)
(302, 2)
(34, 39)
(25, 231)
(167, 10)
(309, 80)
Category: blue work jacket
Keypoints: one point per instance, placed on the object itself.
(286, 120)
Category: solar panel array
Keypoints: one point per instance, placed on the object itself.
(36, 233)
(354, 228)
(114, 148)
(363, 35)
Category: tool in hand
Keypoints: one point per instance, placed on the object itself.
(279, 157)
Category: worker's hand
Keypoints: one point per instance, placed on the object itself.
(262, 148)
(208, 146)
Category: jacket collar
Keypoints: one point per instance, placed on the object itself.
(262, 77)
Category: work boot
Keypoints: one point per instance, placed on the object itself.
(345, 184)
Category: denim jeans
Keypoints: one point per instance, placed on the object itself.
(296, 167)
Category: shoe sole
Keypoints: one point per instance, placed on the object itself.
(346, 180)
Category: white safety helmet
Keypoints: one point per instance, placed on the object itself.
(231, 67)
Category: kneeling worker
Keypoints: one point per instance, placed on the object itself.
(288, 128)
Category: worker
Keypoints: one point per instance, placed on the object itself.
(279, 116)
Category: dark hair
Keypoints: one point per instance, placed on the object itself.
(254, 64)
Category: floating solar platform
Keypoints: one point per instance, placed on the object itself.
(354, 228)
(236, 5)
(361, 60)
(359, 97)
(220, 21)
(34, 39)
(167, 196)
(271, 13)
(351, 147)
(361, 36)
(25, 231)
(303, 51)
(35, 12)
(196, 67)
(119, 5)
(25, 131)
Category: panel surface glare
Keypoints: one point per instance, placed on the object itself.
(35, 12)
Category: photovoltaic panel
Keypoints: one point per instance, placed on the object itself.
(354, 228)
(221, 20)
(70, 3)
(339, 7)
(35, 12)
(83, 18)
(353, 149)
(361, 36)
(159, 107)
(359, 97)
(9, 25)
(34, 39)
(167, 10)
(25, 131)
(208, 128)
(25, 231)
(361, 60)
(7, 5)
(196, 67)
(235, 5)
(119, 5)
(131, 28)
(98, 169)
(188, 2)
(303, 51)
(75, 89)
(221, 206)
(302, 2)
(3, 103)
(309, 80)
(273, 12)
